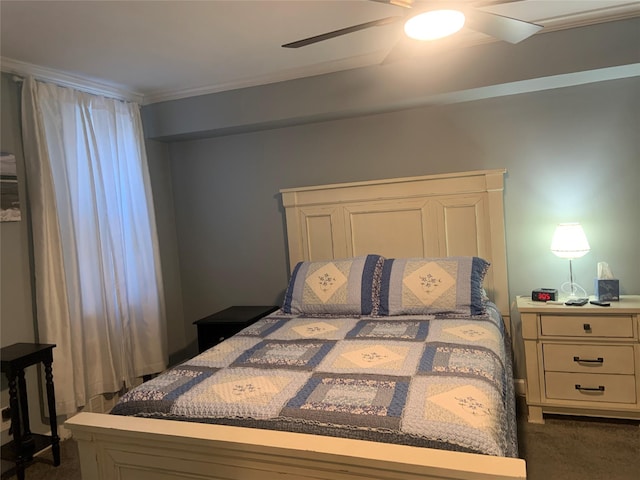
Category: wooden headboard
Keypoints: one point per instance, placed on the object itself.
(457, 214)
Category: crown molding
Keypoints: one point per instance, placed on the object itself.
(23, 69)
(592, 17)
(609, 14)
(333, 66)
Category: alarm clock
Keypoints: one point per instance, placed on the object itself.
(544, 294)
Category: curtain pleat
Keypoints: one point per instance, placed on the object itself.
(99, 293)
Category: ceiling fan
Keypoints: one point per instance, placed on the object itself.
(435, 15)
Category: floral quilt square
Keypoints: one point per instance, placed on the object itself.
(327, 283)
(373, 357)
(241, 392)
(315, 327)
(471, 409)
(429, 284)
(476, 333)
(224, 353)
(302, 354)
(362, 401)
(264, 326)
(390, 330)
(463, 361)
(158, 394)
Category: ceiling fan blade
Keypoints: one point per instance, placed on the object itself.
(342, 31)
(503, 28)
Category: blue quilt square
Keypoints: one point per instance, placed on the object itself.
(415, 330)
(360, 400)
(299, 354)
(264, 326)
(462, 361)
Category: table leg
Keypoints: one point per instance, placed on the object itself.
(53, 420)
(16, 428)
(27, 443)
(535, 414)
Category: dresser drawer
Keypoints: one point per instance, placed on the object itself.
(590, 387)
(588, 358)
(620, 326)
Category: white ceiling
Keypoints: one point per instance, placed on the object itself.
(160, 50)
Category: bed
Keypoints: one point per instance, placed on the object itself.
(352, 404)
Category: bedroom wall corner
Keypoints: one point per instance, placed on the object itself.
(179, 337)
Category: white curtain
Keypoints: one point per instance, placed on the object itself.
(99, 294)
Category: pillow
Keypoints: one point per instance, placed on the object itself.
(335, 287)
(418, 286)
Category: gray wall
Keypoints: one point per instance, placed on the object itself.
(572, 154)
(159, 172)
(563, 124)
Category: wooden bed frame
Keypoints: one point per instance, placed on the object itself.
(429, 216)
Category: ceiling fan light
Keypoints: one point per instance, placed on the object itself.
(434, 24)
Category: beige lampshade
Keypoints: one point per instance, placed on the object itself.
(569, 241)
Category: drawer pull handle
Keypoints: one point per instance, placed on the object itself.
(587, 327)
(590, 389)
(588, 360)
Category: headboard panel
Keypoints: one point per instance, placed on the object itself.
(454, 214)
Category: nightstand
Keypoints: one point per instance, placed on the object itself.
(225, 323)
(25, 444)
(582, 360)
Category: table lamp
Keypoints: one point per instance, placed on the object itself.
(569, 241)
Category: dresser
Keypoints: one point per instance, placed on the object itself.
(582, 360)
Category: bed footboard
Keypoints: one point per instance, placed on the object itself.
(126, 448)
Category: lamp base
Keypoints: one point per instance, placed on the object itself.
(572, 291)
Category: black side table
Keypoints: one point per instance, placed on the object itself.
(225, 323)
(15, 358)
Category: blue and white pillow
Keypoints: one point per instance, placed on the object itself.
(422, 286)
(335, 287)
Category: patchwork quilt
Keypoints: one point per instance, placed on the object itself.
(421, 380)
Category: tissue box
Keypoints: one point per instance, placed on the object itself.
(607, 289)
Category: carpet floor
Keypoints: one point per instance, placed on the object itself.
(567, 448)
(579, 448)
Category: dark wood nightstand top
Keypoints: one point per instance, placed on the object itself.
(238, 314)
(22, 355)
